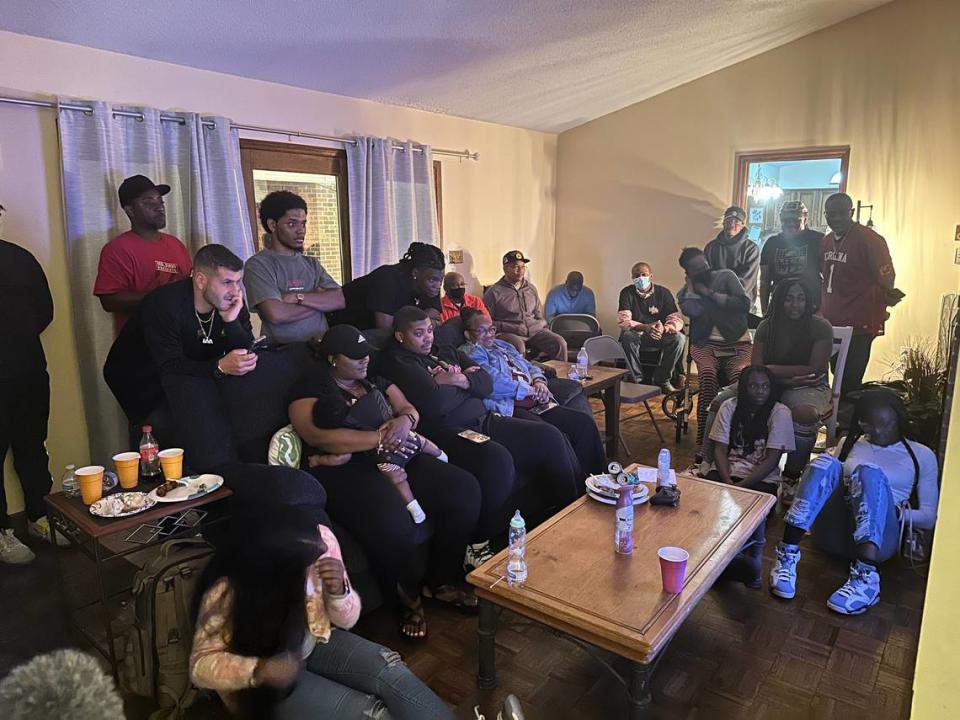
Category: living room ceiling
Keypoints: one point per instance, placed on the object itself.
(541, 64)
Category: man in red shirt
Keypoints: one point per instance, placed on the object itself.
(143, 258)
(455, 297)
(858, 277)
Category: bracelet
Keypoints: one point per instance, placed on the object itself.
(413, 420)
(379, 440)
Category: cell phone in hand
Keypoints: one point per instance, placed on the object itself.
(474, 437)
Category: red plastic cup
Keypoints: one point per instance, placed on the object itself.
(673, 567)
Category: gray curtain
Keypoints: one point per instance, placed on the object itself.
(392, 200)
(206, 204)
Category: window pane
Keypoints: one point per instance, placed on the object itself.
(323, 212)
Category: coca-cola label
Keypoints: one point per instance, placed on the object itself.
(148, 454)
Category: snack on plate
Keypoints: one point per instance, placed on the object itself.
(200, 488)
(133, 501)
(605, 482)
(167, 487)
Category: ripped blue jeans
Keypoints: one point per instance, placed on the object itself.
(350, 678)
(866, 493)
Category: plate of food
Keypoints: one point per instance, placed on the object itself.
(122, 504)
(188, 488)
(640, 495)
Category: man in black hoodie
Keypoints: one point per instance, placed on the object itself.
(732, 249)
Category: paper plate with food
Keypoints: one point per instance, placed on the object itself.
(605, 487)
(122, 504)
(188, 488)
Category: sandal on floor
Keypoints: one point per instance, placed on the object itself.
(413, 621)
(453, 596)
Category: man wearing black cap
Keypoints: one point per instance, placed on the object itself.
(793, 252)
(732, 249)
(514, 305)
(143, 258)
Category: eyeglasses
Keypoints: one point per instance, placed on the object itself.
(485, 330)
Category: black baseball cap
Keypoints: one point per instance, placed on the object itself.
(515, 256)
(344, 340)
(734, 211)
(135, 186)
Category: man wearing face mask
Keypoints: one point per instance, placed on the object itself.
(793, 252)
(456, 298)
(649, 320)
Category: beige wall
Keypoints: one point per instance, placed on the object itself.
(643, 182)
(505, 200)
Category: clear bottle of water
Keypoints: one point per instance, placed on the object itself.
(149, 454)
(582, 362)
(663, 468)
(517, 562)
(69, 483)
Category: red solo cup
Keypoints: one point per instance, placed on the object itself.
(673, 567)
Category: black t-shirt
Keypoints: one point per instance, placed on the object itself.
(659, 305)
(797, 341)
(799, 257)
(165, 337)
(384, 290)
(26, 309)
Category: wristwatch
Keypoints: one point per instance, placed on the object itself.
(299, 298)
(217, 372)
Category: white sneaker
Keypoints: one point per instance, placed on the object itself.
(41, 529)
(12, 551)
(860, 592)
(783, 574)
(476, 555)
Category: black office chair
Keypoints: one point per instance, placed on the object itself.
(576, 329)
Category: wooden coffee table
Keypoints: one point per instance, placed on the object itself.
(605, 382)
(577, 583)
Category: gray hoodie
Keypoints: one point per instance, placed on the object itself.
(738, 253)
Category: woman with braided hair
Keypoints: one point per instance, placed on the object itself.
(886, 477)
(373, 299)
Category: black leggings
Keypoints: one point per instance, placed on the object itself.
(362, 499)
(581, 431)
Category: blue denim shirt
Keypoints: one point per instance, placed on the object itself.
(506, 388)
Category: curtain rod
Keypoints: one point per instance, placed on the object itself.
(465, 154)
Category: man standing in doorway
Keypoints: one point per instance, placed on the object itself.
(570, 297)
(26, 309)
(858, 277)
(793, 252)
(143, 258)
(292, 292)
(732, 249)
(514, 305)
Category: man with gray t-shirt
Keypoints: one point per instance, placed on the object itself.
(291, 292)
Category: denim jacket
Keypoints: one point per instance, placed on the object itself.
(506, 388)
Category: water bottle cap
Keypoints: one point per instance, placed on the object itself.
(71, 467)
(517, 520)
(148, 428)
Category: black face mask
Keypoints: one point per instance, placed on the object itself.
(457, 294)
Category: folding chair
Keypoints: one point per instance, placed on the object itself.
(606, 349)
(841, 346)
(575, 328)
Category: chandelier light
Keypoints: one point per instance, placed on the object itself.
(764, 189)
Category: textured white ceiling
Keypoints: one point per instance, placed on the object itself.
(542, 64)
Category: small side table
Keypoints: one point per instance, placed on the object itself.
(71, 518)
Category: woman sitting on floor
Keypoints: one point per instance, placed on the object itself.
(272, 612)
(887, 478)
(795, 344)
(520, 390)
(751, 433)
(336, 410)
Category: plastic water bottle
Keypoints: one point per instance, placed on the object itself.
(663, 468)
(623, 527)
(517, 562)
(149, 458)
(582, 362)
(69, 483)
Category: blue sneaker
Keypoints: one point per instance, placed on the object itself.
(860, 592)
(783, 574)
